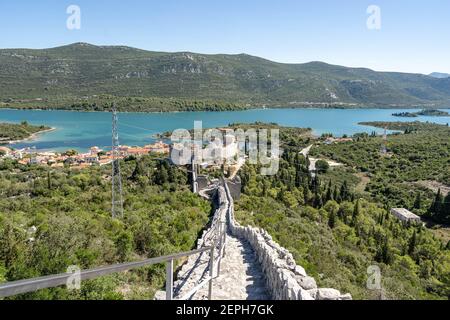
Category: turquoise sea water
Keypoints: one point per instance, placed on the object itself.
(81, 130)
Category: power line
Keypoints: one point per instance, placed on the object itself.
(136, 127)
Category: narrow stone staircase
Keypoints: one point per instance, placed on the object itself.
(252, 267)
(241, 277)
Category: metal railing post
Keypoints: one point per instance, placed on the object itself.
(224, 235)
(211, 272)
(169, 280)
(220, 248)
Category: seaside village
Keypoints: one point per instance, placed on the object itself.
(98, 156)
(226, 150)
(95, 156)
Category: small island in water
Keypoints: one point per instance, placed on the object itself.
(12, 132)
(425, 112)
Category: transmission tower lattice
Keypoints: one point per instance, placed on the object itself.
(116, 179)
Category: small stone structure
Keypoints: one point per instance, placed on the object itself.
(235, 187)
(405, 215)
(285, 280)
(202, 182)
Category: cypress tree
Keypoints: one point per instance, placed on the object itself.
(306, 194)
(412, 244)
(138, 171)
(264, 190)
(161, 176)
(418, 201)
(332, 220)
(298, 178)
(329, 194)
(336, 195)
(344, 191)
(387, 257)
(445, 209)
(356, 212)
(49, 180)
(384, 253)
(435, 208)
(318, 202)
(315, 184)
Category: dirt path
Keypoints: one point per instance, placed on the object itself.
(361, 186)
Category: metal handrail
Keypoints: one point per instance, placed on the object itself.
(219, 226)
(30, 285)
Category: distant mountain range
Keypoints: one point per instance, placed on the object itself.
(440, 75)
(85, 70)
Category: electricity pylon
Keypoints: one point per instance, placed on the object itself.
(116, 179)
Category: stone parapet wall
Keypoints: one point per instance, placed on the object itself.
(210, 234)
(284, 278)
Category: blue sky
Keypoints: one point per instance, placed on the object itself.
(414, 35)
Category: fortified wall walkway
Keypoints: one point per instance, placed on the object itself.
(240, 278)
(251, 266)
(238, 275)
(235, 262)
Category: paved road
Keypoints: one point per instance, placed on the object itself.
(312, 162)
(306, 150)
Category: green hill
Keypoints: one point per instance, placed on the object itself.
(83, 72)
(15, 131)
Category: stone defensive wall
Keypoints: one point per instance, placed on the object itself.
(285, 280)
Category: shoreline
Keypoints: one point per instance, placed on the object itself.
(32, 137)
(237, 110)
(315, 132)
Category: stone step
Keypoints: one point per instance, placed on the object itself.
(241, 277)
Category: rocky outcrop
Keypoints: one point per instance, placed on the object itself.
(285, 280)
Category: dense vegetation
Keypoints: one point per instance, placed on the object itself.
(421, 153)
(433, 113)
(335, 229)
(405, 114)
(11, 131)
(70, 210)
(336, 233)
(425, 112)
(130, 104)
(81, 72)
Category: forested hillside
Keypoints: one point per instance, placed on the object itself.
(336, 232)
(86, 75)
(51, 219)
(12, 131)
(420, 153)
